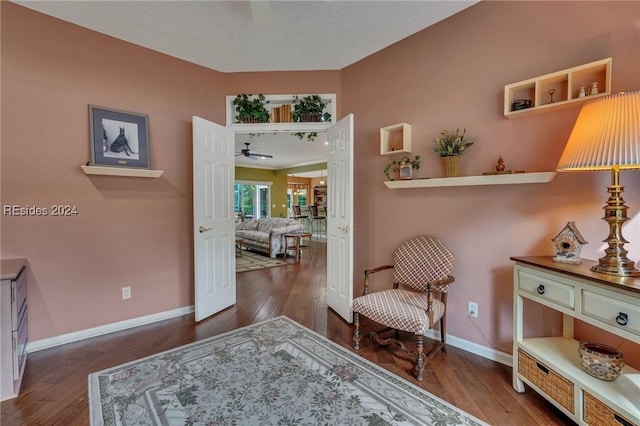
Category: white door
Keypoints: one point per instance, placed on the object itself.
(213, 219)
(340, 218)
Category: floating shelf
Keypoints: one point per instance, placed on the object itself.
(276, 101)
(121, 171)
(395, 139)
(504, 179)
(566, 85)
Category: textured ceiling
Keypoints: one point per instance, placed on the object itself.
(238, 36)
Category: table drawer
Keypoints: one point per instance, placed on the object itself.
(553, 384)
(597, 413)
(611, 310)
(549, 290)
(18, 297)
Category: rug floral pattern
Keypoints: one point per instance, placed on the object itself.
(272, 373)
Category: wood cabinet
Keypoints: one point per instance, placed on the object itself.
(14, 326)
(550, 365)
(565, 85)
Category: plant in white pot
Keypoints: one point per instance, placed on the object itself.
(450, 145)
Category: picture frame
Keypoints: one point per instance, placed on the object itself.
(405, 171)
(118, 138)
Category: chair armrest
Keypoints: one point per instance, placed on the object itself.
(368, 272)
(441, 285)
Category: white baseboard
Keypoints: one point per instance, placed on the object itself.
(105, 329)
(483, 351)
(474, 348)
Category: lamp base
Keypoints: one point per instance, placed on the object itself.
(615, 262)
(617, 270)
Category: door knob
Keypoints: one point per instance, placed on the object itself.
(202, 229)
(344, 229)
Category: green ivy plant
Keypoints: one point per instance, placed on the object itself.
(451, 143)
(305, 106)
(393, 166)
(251, 108)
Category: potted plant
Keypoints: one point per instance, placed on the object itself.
(251, 109)
(397, 165)
(450, 146)
(309, 109)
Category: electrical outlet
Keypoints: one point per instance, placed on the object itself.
(126, 293)
(472, 310)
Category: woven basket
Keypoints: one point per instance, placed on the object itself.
(452, 166)
(550, 382)
(597, 413)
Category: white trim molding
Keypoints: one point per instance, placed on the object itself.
(38, 345)
(62, 339)
(466, 345)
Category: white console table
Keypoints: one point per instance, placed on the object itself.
(13, 326)
(550, 365)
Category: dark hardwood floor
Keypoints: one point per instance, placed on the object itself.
(54, 389)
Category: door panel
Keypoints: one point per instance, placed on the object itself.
(340, 218)
(213, 218)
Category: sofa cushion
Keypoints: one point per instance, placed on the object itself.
(267, 224)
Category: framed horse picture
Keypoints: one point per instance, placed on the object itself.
(118, 138)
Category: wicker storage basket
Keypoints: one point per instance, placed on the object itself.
(597, 413)
(550, 382)
(451, 166)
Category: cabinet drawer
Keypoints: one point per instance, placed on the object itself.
(610, 310)
(20, 337)
(18, 297)
(543, 288)
(597, 413)
(553, 384)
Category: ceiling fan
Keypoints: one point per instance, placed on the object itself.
(252, 155)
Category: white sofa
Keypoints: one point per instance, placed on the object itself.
(266, 235)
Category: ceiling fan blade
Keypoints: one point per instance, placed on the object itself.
(255, 154)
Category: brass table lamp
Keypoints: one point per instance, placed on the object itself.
(606, 137)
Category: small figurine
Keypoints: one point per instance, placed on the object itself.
(500, 166)
(551, 92)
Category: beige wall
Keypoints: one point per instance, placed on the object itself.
(278, 187)
(452, 75)
(137, 232)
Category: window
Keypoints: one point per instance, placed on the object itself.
(252, 200)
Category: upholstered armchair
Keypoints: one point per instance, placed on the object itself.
(417, 300)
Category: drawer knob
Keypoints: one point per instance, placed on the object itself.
(622, 318)
(540, 289)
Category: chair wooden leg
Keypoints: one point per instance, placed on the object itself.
(356, 331)
(443, 333)
(419, 357)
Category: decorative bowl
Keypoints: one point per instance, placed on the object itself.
(600, 361)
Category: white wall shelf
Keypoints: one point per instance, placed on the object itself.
(502, 179)
(277, 101)
(121, 171)
(566, 84)
(395, 139)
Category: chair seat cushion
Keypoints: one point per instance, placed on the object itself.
(399, 309)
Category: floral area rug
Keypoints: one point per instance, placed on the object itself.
(251, 261)
(275, 372)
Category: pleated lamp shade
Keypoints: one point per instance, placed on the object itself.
(606, 135)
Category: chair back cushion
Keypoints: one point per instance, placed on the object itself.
(422, 260)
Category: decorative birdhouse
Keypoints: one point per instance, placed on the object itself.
(568, 244)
